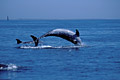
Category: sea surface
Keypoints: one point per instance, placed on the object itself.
(97, 59)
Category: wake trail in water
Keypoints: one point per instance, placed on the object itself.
(50, 47)
(13, 67)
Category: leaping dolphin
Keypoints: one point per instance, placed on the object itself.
(65, 34)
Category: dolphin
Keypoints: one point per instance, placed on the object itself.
(35, 40)
(65, 34)
(19, 41)
(62, 33)
(3, 66)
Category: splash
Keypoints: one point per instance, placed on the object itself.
(35, 47)
(8, 67)
(50, 47)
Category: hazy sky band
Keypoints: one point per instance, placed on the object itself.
(60, 9)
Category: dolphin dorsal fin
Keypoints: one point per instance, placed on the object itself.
(18, 41)
(36, 41)
(77, 32)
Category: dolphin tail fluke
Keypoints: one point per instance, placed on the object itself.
(18, 41)
(35, 39)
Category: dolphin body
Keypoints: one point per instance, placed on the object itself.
(65, 34)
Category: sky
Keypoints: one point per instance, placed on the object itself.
(60, 9)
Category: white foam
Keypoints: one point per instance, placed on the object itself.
(12, 67)
(35, 47)
(50, 47)
(9, 67)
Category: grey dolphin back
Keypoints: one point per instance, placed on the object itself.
(51, 33)
(46, 34)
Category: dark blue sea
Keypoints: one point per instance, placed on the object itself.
(98, 59)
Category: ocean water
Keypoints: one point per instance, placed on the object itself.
(97, 59)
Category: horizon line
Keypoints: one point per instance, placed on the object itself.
(67, 19)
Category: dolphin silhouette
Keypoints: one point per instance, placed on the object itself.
(3, 66)
(65, 34)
